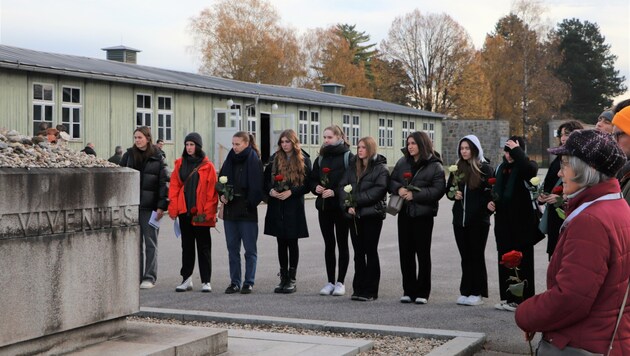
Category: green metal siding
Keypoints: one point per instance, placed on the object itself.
(14, 102)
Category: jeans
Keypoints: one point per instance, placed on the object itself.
(247, 233)
(148, 254)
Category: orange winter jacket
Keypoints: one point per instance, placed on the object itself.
(207, 197)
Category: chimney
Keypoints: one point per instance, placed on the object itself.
(332, 88)
(122, 54)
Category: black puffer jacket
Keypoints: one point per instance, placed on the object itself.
(369, 190)
(153, 178)
(333, 159)
(473, 209)
(428, 175)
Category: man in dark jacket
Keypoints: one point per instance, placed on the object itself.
(118, 152)
(89, 149)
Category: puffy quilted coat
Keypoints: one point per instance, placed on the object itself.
(207, 197)
(429, 178)
(586, 278)
(369, 190)
(153, 178)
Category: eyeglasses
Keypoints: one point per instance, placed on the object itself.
(618, 134)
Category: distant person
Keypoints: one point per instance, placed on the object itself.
(551, 182)
(143, 157)
(604, 122)
(244, 172)
(193, 200)
(471, 219)
(621, 133)
(89, 149)
(41, 129)
(160, 145)
(118, 152)
(286, 181)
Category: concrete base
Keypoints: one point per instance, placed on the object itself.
(157, 339)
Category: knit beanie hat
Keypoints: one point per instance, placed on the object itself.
(606, 115)
(622, 119)
(595, 148)
(194, 137)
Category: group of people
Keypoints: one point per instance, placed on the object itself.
(588, 244)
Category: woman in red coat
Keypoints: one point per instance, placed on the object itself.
(587, 276)
(193, 200)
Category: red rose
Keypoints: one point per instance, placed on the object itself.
(325, 170)
(492, 181)
(511, 259)
(193, 210)
(407, 175)
(557, 190)
(278, 178)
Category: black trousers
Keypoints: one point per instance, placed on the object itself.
(525, 272)
(288, 253)
(414, 244)
(334, 227)
(201, 236)
(367, 268)
(471, 243)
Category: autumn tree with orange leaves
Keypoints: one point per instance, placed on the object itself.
(243, 40)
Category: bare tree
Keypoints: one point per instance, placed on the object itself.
(434, 49)
(243, 40)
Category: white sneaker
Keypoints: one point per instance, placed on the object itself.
(328, 289)
(147, 285)
(511, 307)
(186, 285)
(206, 288)
(499, 305)
(340, 289)
(421, 301)
(474, 300)
(462, 300)
(405, 299)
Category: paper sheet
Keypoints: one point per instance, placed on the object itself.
(154, 221)
(176, 228)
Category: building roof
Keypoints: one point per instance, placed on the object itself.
(120, 48)
(101, 69)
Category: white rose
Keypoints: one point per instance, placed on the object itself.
(535, 181)
(452, 168)
(347, 188)
(223, 179)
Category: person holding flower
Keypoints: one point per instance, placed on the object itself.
(516, 220)
(584, 307)
(193, 200)
(415, 220)
(471, 219)
(328, 169)
(286, 181)
(363, 192)
(551, 186)
(244, 172)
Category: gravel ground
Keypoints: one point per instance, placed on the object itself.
(383, 344)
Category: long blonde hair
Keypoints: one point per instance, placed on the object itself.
(293, 168)
(370, 147)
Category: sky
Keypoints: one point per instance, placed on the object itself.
(160, 28)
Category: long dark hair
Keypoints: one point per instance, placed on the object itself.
(472, 167)
(140, 156)
(249, 139)
(425, 146)
(292, 169)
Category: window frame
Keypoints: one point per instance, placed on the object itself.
(381, 132)
(145, 112)
(356, 129)
(251, 119)
(345, 126)
(74, 109)
(303, 125)
(314, 127)
(163, 129)
(44, 106)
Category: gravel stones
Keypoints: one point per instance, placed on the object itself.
(18, 151)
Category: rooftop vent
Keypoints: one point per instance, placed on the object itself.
(122, 54)
(332, 88)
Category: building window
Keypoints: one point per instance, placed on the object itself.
(429, 128)
(381, 132)
(356, 130)
(314, 128)
(43, 106)
(71, 111)
(251, 119)
(165, 118)
(408, 128)
(303, 127)
(143, 110)
(390, 133)
(346, 126)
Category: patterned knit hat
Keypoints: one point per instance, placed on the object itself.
(595, 148)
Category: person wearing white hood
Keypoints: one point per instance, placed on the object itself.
(471, 192)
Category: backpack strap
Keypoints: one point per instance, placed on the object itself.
(346, 159)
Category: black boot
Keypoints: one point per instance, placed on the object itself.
(284, 278)
(290, 286)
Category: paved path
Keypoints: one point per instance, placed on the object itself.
(503, 336)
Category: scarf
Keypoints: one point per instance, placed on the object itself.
(190, 187)
(251, 179)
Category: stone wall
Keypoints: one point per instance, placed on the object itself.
(491, 133)
(69, 247)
